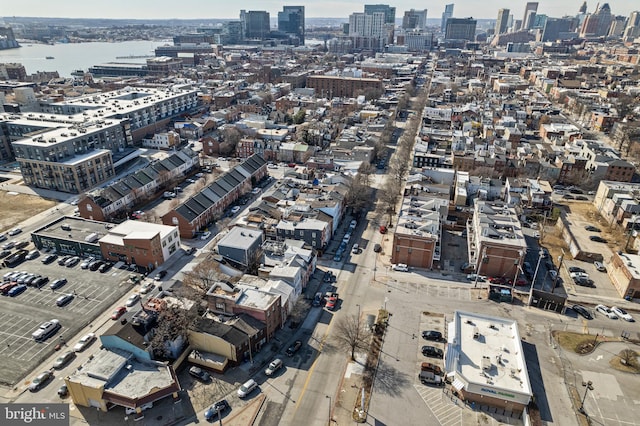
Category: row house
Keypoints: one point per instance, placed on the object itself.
(206, 206)
(120, 197)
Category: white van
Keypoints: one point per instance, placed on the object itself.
(247, 388)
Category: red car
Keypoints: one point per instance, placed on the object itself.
(332, 301)
(120, 311)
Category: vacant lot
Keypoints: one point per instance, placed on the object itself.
(14, 208)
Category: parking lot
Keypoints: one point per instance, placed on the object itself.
(21, 315)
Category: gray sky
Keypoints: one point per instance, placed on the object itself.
(152, 9)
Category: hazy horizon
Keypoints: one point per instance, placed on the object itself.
(206, 9)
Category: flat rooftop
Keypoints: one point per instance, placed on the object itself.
(489, 352)
(74, 229)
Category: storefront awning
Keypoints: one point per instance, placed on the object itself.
(457, 384)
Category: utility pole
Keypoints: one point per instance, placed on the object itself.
(555, 280)
(484, 255)
(535, 275)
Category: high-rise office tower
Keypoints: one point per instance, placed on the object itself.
(256, 23)
(553, 27)
(597, 24)
(460, 29)
(632, 30)
(502, 21)
(291, 21)
(414, 19)
(529, 15)
(448, 13)
(389, 12)
(583, 8)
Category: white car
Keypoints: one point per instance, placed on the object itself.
(401, 267)
(86, 340)
(604, 310)
(472, 277)
(621, 313)
(147, 287)
(132, 300)
(235, 209)
(205, 236)
(579, 275)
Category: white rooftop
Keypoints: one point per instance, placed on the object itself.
(486, 351)
(135, 229)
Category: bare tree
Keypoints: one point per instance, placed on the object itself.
(202, 277)
(389, 196)
(174, 323)
(351, 333)
(358, 195)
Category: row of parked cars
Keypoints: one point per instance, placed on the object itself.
(611, 313)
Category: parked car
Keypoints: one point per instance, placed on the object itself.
(14, 231)
(39, 281)
(427, 366)
(190, 251)
(400, 267)
(621, 313)
(604, 310)
(294, 348)
(467, 267)
(105, 267)
(71, 262)
(432, 351)
(578, 275)
(432, 335)
(472, 277)
(247, 388)
(235, 209)
(56, 284)
(63, 391)
(584, 282)
(274, 366)
(84, 342)
(216, 409)
(20, 288)
(49, 258)
(377, 248)
(200, 374)
(9, 245)
(64, 359)
(205, 235)
(160, 275)
(40, 381)
(32, 255)
(318, 300)
(597, 239)
(64, 300)
(332, 301)
(355, 249)
(46, 330)
(118, 312)
(592, 228)
(132, 300)
(599, 266)
(95, 265)
(147, 287)
(85, 263)
(576, 269)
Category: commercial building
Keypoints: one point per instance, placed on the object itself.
(256, 24)
(291, 21)
(414, 19)
(461, 29)
(241, 246)
(624, 271)
(503, 21)
(147, 245)
(529, 17)
(446, 15)
(117, 378)
(485, 359)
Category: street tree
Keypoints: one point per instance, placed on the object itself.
(352, 334)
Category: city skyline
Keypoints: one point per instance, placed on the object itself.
(202, 9)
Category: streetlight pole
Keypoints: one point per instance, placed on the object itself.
(535, 275)
(555, 280)
(588, 386)
(484, 254)
(327, 396)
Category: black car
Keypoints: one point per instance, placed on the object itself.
(568, 197)
(432, 335)
(576, 269)
(581, 310)
(219, 407)
(328, 277)
(432, 352)
(63, 391)
(592, 228)
(63, 260)
(191, 250)
(105, 267)
(4, 253)
(294, 348)
(200, 374)
(584, 281)
(597, 239)
(95, 265)
(40, 281)
(160, 275)
(49, 258)
(581, 198)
